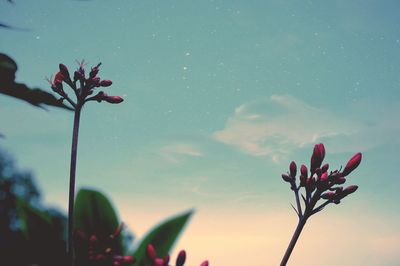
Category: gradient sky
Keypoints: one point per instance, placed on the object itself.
(220, 96)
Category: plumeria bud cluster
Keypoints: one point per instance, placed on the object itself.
(100, 251)
(156, 261)
(320, 183)
(83, 87)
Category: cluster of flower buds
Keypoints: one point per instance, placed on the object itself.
(82, 86)
(99, 251)
(319, 183)
(156, 261)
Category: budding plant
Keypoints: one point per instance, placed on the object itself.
(83, 87)
(156, 261)
(320, 189)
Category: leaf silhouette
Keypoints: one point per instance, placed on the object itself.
(34, 96)
(162, 237)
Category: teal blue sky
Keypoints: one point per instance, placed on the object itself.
(219, 96)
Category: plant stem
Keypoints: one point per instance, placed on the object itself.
(292, 243)
(299, 211)
(74, 149)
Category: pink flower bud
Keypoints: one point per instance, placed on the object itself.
(287, 178)
(64, 71)
(317, 157)
(94, 71)
(105, 83)
(158, 262)
(293, 169)
(340, 180)
(113, 99)
(180, 261)
(151, 252)
(350, 189)
(205, 263)
(352, 164)
(324, 177)
(93, 238)
(328, 195)
(325, 168)
(303, 170)
(79, 75)
(58, 78)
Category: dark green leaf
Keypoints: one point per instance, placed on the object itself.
(34, 96)
(162, 237)
(94, 215)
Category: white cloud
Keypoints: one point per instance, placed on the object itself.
(174, 152)
(277, 126)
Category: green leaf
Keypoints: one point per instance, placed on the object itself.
(162, 238)
(94, 215)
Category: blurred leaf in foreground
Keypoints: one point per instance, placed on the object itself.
(162, 238)
(94, 215)
(35, 96)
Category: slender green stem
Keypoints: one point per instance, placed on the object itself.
(74, 149)
(293, 241)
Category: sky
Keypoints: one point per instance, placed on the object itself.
(220, 96)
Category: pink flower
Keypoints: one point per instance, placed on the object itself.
(303, 170)
(105, 83)
(352, 164)
(287, 178)
(180, 261)
(350, 189)
(317, 157)
(293, 169)
(65, 73)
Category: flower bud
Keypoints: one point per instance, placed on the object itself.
(105, 83)
(205, 263)
(128, 259)
(93, 238)
(303, 170)
(293, 169)
(79, 75)
(325, 168)
(95, 81)
(324, 177)
(350, 189)
(58, 78)
(64, 71)
(340, 180)
(94, 71)
(287, 178)
(352, 164)
(158, 262)
(113, 99)
(328, 195)
(317, 157)
(180, 261)
(151, 252)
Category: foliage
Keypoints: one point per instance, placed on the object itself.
(29, 233)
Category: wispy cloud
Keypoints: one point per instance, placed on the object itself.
(175, 152)
(276, 126)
